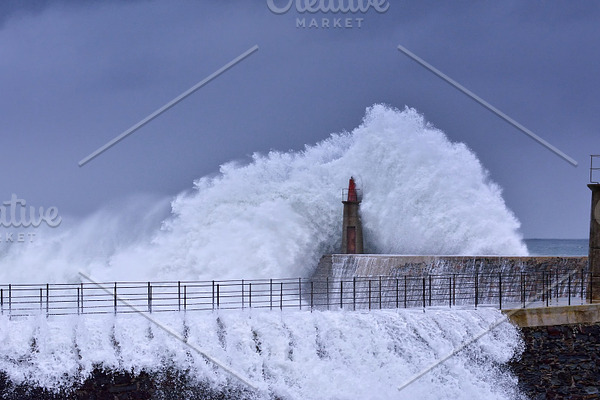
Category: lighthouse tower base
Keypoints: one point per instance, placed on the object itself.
(352, 236)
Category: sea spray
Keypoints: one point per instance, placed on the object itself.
(289, 355)
(276, 215)
(88, 245)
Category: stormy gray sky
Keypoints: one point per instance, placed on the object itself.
(74, 74)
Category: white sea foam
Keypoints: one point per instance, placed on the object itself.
(292, 355)
(276, 215)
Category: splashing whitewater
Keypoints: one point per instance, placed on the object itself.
(276, 215)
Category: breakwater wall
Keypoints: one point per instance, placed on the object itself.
(347, 266)
(287, 355)
(560, 362)
(169, 384)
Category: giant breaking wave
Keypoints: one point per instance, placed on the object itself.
(276, 215)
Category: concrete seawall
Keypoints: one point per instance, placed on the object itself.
(550, 316)
(561, 358)
(106, 384)
(351, 265)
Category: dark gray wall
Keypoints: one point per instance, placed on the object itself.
(560, 362)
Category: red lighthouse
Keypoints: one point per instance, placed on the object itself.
(352, 238)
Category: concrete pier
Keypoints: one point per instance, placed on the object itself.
(594, 251)
(347, 265)
(551, 316)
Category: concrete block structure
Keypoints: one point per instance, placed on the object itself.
(594, 250)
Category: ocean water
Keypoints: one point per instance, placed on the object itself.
(557, 247)
(272, 217)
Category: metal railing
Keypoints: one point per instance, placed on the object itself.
(359, 195)
(501, 290)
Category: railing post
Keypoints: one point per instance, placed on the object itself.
(500, 289)
(184, 297)
(281, 296)
(178, 295)
(2, 301)
(450, 291)
(327, 291)
(548, 289)
(47, 299)
(311, 296)
(213, 295)
(405, 291)
(149, 297)
(242, 294)
(81, 287)
(341, 293)
(569, 289)
(300, 293)
(354, 293)
(476, 289)
(271, 294)
(77, 300)
(424, 304)
(250, 295)
(454, 290)
(397, 293)
(380, 293)
(369, 294)
(9, 299)
(523, 288)
(582, 283)
(557, 285)
(115, 298)
(429, 290)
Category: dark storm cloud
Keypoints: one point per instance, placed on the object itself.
(23, 8)
(10, 8)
